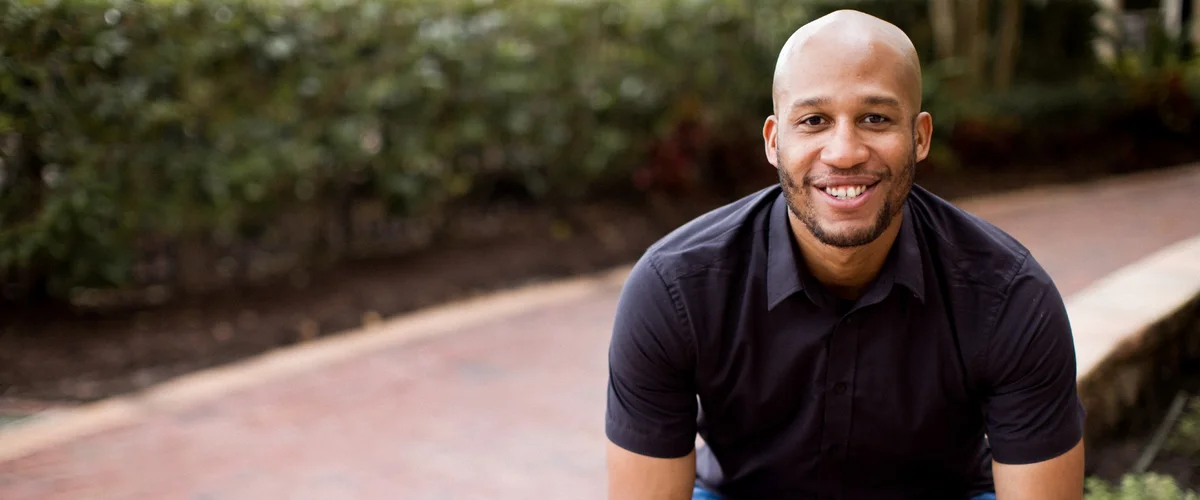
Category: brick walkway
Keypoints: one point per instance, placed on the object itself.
(512, 410)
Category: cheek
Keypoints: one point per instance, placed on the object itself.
(890, 145)
(892, 154)
(796, 156)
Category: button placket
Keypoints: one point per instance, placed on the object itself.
(839, 384)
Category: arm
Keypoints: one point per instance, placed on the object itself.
(1060, 477)
(1034, 416)
(651, 412)
(638, 477)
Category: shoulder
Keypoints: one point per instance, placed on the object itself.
(993, 279)
(1005, 303)
(974, 252)
(719, 237)
(654, 325)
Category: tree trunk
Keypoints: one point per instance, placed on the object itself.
(942, 20)
(1009, 45)
(1193, 19)
(977, 22)
(966, 13)
(27, 190)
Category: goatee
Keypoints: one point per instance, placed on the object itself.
(806, 213)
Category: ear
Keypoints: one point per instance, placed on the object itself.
(923, 134)
(770, 140)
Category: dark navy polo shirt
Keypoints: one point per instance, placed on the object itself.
(958, 352)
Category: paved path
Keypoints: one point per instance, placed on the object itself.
(511, 409)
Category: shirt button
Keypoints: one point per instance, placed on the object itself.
(839, 388)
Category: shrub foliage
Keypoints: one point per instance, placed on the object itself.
(168, 124)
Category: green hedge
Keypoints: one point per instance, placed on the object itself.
(127, 124)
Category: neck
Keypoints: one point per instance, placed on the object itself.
(845, 271)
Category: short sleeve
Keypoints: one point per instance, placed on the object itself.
(651, 387)
(1033, 409)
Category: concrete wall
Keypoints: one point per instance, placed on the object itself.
(1139, 377)
(1136, 333)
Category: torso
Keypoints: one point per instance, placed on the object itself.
(876, 398)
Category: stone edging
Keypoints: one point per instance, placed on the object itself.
(1135, 329)
(59, 426)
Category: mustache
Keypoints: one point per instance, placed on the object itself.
(859, 171)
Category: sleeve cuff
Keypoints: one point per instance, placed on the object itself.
(1038, 449)
(657, 446)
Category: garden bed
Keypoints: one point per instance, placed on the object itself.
(1173, 469)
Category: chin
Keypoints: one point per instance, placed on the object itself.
(849, 239)
(846, 234)
(847, 228)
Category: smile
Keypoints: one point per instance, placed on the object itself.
(846, 192)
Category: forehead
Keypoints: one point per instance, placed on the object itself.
(850, 70)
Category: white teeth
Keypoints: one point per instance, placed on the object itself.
(846, 192)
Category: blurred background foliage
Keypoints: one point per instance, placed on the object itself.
(1148, 486)
(131, 127)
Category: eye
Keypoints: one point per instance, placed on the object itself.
(876, 119)
(811, 121)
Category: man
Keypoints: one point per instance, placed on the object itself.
(845, 334)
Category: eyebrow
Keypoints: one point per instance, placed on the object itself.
(875, 100)
(811, 102)
(871, 100)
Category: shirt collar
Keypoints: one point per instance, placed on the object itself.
(908, 264)
(787, 274)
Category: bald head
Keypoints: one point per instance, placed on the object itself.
(853, 43)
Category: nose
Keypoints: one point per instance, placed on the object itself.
(845, 148)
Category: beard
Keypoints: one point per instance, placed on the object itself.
(800, 202)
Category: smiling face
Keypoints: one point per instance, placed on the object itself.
(847, 132)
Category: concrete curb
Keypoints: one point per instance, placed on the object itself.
(1134, 329)
(1121, 305)
(60, 426)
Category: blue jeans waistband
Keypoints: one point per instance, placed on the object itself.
(700, 493)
